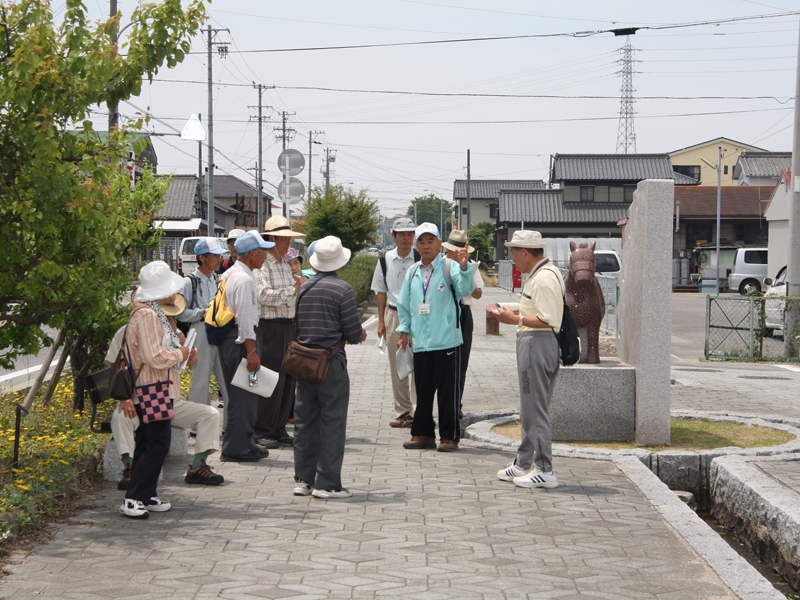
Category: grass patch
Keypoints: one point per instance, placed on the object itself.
(490, 280)
(52, 438)
(686, 434)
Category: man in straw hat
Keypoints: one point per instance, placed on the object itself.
(540, 312)
(276, 290)
(238, 442)
(386, 283)
(428, 312)
(326, 316)
(458, 241)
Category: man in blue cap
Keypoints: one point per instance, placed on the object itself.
(238, 442)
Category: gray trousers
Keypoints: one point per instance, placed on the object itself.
(320, 427)
(208, 360)
(537, 366)
(242, 406)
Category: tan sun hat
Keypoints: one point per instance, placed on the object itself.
(279, 226)
(526, 239)
(458, 241)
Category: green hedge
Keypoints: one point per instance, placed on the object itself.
(358, 273)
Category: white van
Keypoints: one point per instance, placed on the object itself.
(749, 270)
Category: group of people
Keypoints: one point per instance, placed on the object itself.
(424, 299)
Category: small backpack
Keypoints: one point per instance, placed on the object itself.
(569, 342)
(219, 319)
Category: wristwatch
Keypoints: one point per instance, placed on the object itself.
(520, 321)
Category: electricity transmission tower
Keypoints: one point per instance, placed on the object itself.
(626, 136)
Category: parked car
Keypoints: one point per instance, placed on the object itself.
(187, 259)
(775, 303)
(607, 262)
(749, 270)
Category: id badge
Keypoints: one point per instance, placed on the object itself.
(424, 309)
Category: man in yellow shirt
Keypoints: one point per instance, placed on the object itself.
(539, 316)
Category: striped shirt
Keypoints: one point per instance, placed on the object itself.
(275, 289)
(152, 355)
(328, 312)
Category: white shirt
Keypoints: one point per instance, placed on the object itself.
(240, 298)
(476, 277)
(396, 268)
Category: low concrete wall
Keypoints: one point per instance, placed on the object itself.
(595, 402)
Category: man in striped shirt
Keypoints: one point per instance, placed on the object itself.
(327, 317)
(276, 290)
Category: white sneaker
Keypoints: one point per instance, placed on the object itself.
(301, 488)
(157, 505)
(342, 493)
(510, 472)
(133, 509)
(537, 479)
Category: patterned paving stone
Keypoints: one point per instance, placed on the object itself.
(420, 525)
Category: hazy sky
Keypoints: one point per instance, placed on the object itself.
(398, 146)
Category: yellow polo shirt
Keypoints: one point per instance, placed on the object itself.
(542, 296)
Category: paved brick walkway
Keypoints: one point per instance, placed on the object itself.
(421, 525)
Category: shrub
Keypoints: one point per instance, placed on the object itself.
(358, 273)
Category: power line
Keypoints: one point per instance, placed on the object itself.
(622, 31)
(486, 95)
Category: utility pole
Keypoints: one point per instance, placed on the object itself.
(329, 158)
(198, 207)
(792, 311)
(311, 140)
(469, 196)
(260, 167)
(113, 109)
(223, 51)
(286, 133)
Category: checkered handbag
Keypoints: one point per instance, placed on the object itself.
(154, 401)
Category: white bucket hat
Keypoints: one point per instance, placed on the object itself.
(329, 254)
(526, 239)
(157, 281)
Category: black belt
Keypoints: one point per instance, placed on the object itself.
(284, 321)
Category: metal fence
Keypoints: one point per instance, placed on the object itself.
(747, 328)
(610, 286)
(505, 274)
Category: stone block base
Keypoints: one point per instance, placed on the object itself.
(595, 403)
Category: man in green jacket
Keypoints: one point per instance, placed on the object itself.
(427, 308)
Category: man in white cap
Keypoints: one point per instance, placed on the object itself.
(327, 317)
(386, 283)
(455, 242)
(199, 289)
(238, 442)
(427, 308)
(539, 317)
(226, 264)
(276, 290)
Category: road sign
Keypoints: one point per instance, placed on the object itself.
(296, 162)
(193, 130)
(293, 192)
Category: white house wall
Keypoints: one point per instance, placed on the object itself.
(778, 246)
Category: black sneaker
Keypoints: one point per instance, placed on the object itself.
(286, 440)
(262, 451)
(267, 442)
(203, 475)
(253, 456)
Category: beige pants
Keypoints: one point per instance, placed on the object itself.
(405, 394)
(201, 417)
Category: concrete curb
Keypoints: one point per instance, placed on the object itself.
(733, 570)
(763, 511)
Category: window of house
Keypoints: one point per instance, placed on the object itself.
(463, 210)
(493, 211)
(689, 171)
(628, 193)
(725, 170)
(740, 232)
(587, 193)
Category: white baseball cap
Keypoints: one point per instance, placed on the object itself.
(426, 228)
